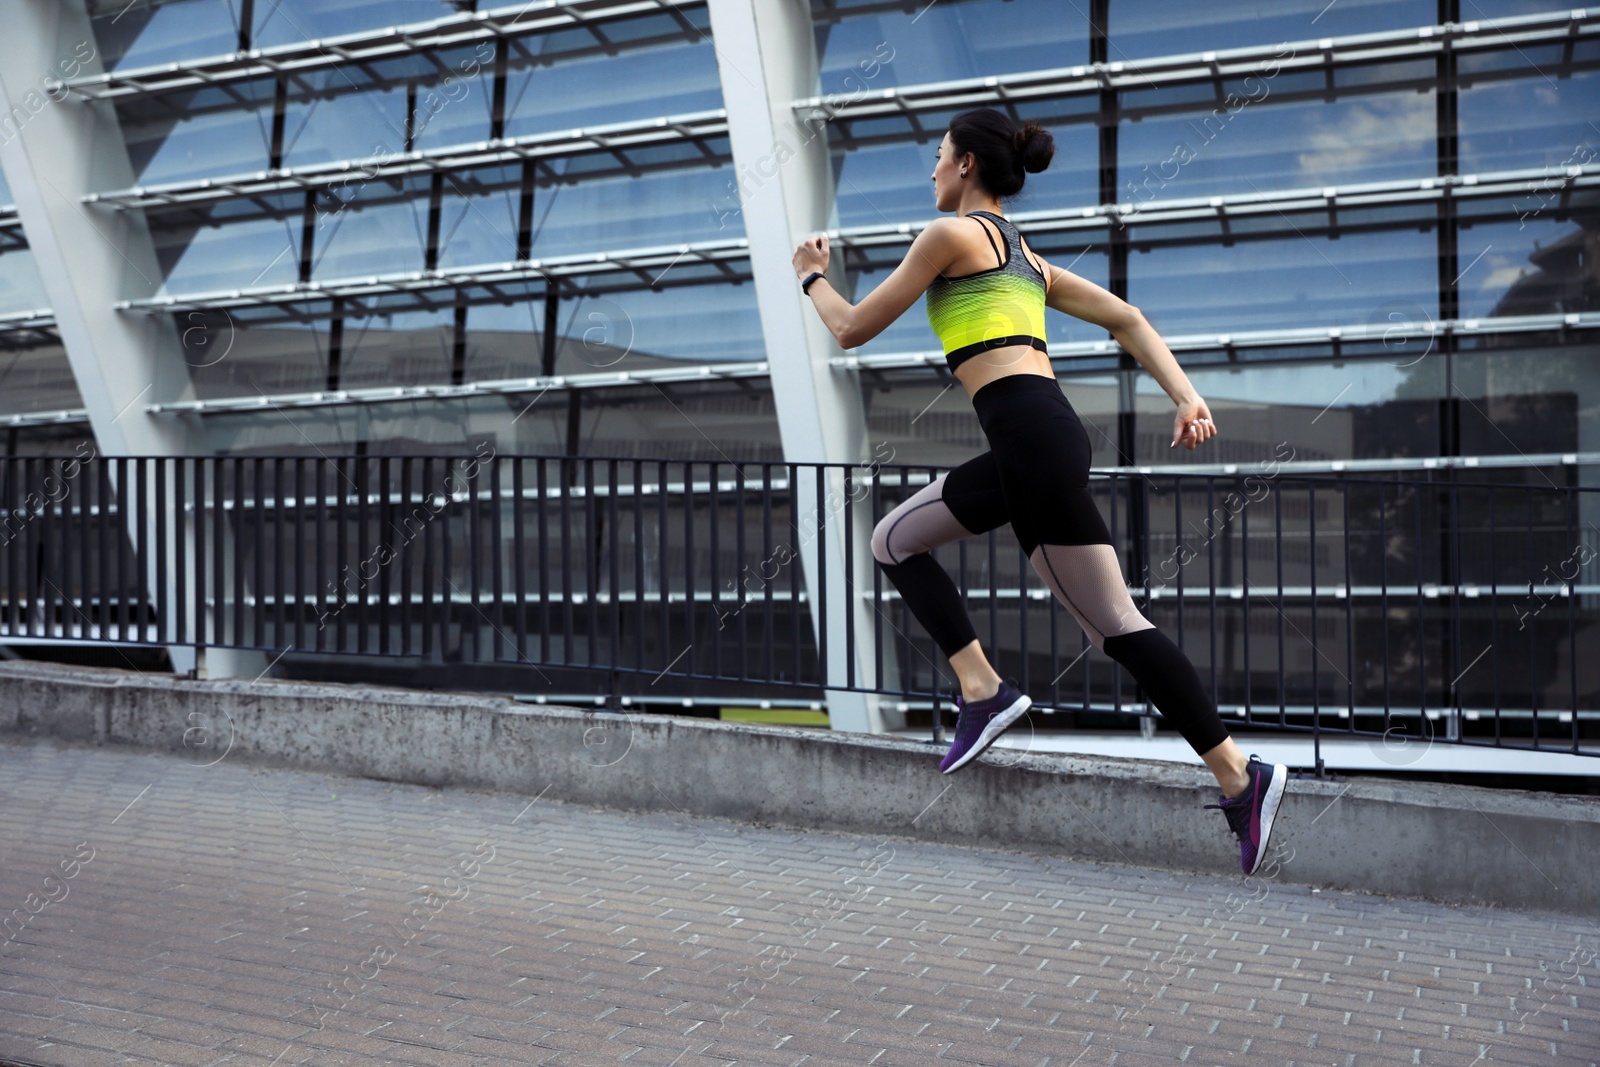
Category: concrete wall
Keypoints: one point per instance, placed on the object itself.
(1453, 843)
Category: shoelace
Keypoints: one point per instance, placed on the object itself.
(1238, 815)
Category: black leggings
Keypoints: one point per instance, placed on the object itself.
(1036, 477)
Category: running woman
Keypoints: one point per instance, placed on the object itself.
(986, 297)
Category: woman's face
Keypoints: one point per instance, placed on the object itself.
(947, 178)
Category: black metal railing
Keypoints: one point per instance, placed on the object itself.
(1345, 606)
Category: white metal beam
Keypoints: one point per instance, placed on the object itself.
(766, 58)
(54, 153)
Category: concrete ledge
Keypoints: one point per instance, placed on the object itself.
(1452, 843)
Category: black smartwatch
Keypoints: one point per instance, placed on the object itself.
(805, 286)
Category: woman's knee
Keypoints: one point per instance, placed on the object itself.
(880, 541)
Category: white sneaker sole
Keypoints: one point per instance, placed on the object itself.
(991, 733)
(1269, 811)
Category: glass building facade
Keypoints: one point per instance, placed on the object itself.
(1363, 245)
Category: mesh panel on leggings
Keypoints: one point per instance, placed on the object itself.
(1088, 580)
(922, 522)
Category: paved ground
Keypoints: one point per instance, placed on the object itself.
(163, 911)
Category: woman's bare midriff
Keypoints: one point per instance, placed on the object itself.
(979, 371)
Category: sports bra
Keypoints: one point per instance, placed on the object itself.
(992, 308)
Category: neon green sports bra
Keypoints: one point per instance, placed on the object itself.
(993, 308)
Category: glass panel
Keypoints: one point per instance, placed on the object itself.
(35, 376)
(324, 122)
(381, 230)
(1538, 265)
(229, 355)
(406, 348)
(5, 191)
(291, 21)
(880, 184)
(455, 107)
(1529, 400)
(1094, 398)
(943, 42)
(1495, 9)
(1157, 28)
(1080, 258)
(1256, 146)
(1283, 284)
(230, 245)
(1537, 122)
(505, 341)
(207, 134)
(626, 212)
(432, 427)
(1368, 409)
(478, 217)
(20, 286)
(720, 422)
(601, 89)
(147, 32)
(921, 421)
(643, 329)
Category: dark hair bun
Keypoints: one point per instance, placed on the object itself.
(1035, 146)
(1005, 154)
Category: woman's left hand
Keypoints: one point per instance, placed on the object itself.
(812, 255)
(1192, 424)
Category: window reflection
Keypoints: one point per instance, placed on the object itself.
(478, 217)
(1156, 28)
(1367, 409)
(20, 286)
(1262, 144)
(207, 134)
(644, 328)
(35, 376)
(878, 184)
(231, 354)
(1537, 122)
(594, 90)
(404, 348)
(147, 32)
(324, 122)
(702, 422)
(1537, 265)
(381, 230)
(292, 21)
(941, 42)
(234, 244)
(1529, 401)
(505, 340)
(1295, 282)
(624, 212)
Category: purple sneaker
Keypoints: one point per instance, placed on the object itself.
(1251, 814)
(980, 724)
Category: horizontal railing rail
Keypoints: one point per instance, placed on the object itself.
(1451, 602)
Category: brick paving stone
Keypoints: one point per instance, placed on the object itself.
(230, 915)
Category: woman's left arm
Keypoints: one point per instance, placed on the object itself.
(853, 325)
(1083, 299)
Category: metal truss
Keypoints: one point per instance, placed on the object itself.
(1322, 55)
(1063, 355)
(365, 48)
(689, 373)
(1390, 336)
(1548, 184)
(617, 139)
(727, 260)
(715, 261)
